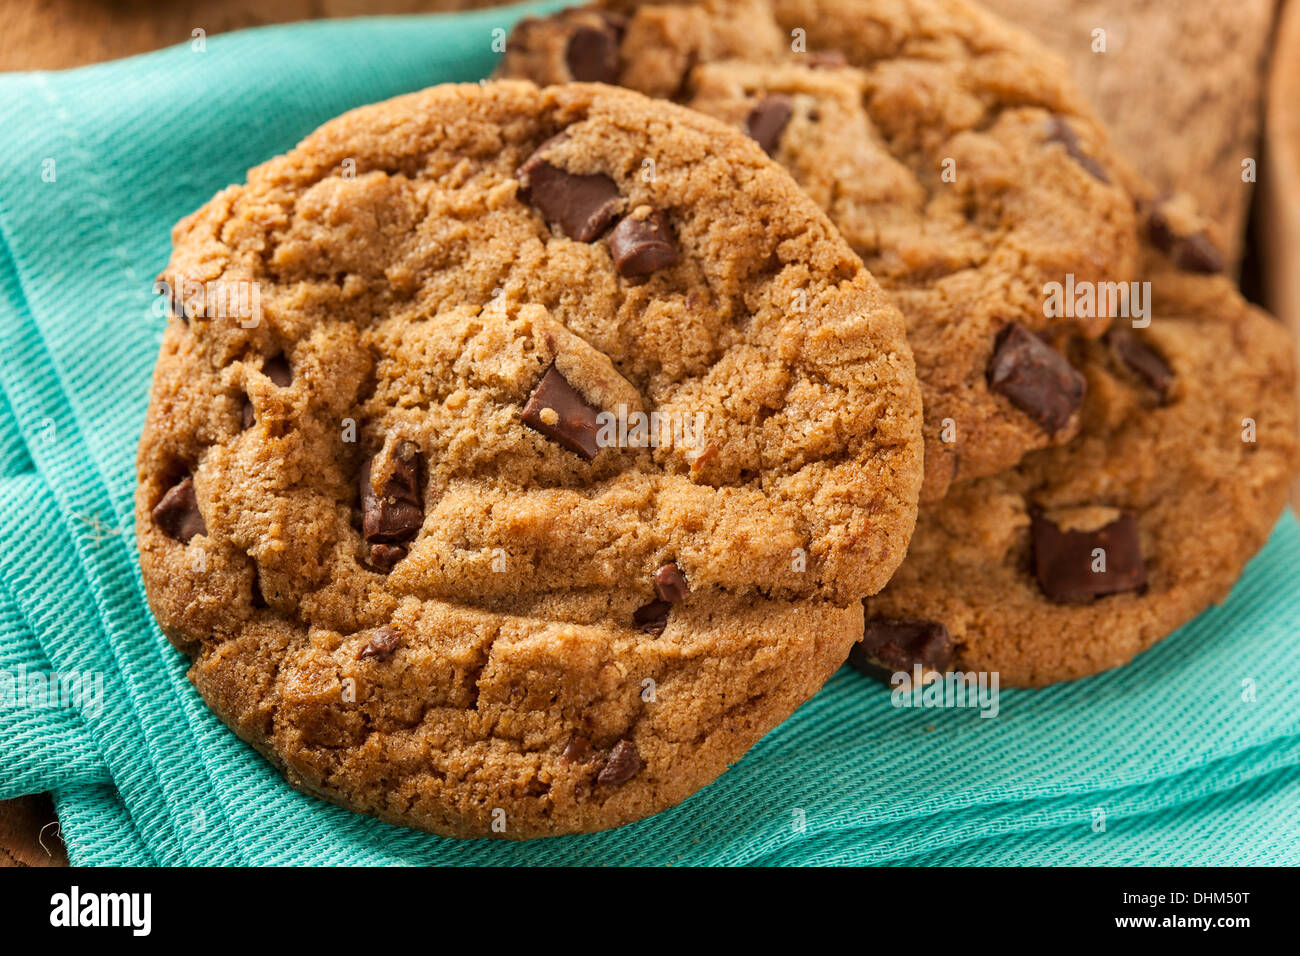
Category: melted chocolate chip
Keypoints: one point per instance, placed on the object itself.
(1196, 253)
(592, 55)
(1068, 569)
(394, 513)
(1035, 378)
(652, 618)
(1141, 359)
(576, 750)
(384, 557)
(623, 764)
(558, 411)
(670, 583)
(177, 513)
(1159, 232)
(767, 121)
(381, 645)
(890, 645)
(640, 246)
(278, 371)
(1060, 131)
(582, 206)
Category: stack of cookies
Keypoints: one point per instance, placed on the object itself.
(573, 428)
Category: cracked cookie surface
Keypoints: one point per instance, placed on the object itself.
(549, 473)
(951, 152)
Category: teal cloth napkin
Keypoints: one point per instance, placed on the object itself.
(1191, 755)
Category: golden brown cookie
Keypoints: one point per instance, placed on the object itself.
(951, 151)
(1180, 89)
(1086, 555)
(548, 473)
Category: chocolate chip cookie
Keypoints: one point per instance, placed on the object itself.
(516, 458)
(1086, 555)
(951, 152)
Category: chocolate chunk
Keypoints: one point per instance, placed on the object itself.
(381, 646)
(558, 411)
(1035, 377)
(177, 514)
(1196, 253)
(1159, 232)
(582, 206)
(767, 121)
(652, 618)
(592, 55)
(247, 417)
(670, 583)
(1064, 560)
(1141, 359)
(384, 557)
(890, 645)
(394, 513)
(576, 750)
(1060, 131)
(623, 764)
(277, 369)
(640, 246)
